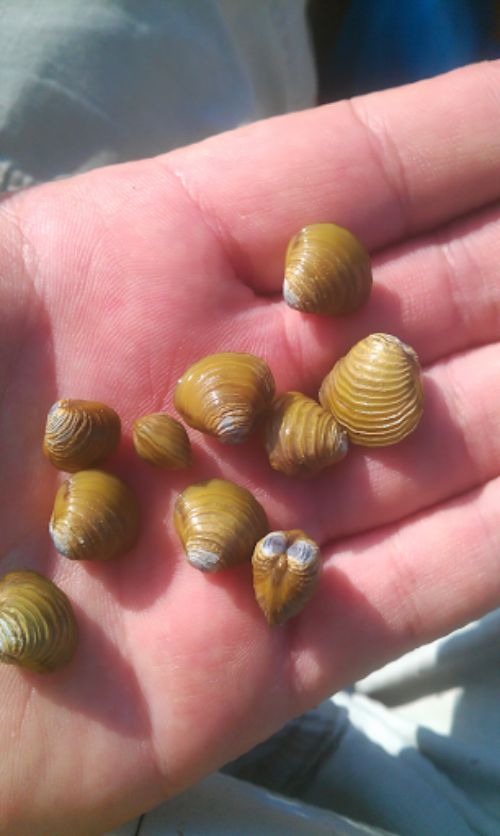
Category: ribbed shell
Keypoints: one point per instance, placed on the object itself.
(285, 573)
(225, 394)
(80, 434)
(218, 523)
(95, 517)
(375, 391)
(327, 270)
(38, 629)
(162, 441)
(302, 437)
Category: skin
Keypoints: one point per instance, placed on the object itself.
(111, 284)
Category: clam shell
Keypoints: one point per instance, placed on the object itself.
(302, 437)
(218, 523)
(285, 573)
(80, 434)
(225, 394)
(162, 441)
(327, 270)
(38, 630)
(95, 517)
(375, 391)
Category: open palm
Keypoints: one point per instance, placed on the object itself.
(111, 284)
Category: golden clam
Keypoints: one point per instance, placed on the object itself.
(302, 437)
(95, 517)
(80, 434)
(375, 391)
(225, 394)
(327, 270)
(38, 629)
(285, 573)
(218, 523)
(162, 441)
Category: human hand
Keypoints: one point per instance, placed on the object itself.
(111, 284)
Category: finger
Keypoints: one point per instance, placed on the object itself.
(387, 166)
(388, 591)
(455, 449)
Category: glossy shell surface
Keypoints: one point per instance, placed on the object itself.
(162, 441)
(375, 391)
(225, 394)
(95, 517)
(302, 437)
(38, 630)
(327, 270)
(285, 573)
(218, 523)
(80, 434)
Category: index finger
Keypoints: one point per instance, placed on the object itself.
(387, 166)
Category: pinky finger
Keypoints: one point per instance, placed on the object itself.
(388, 591)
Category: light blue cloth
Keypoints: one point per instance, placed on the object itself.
(413, 750)
(84, 84)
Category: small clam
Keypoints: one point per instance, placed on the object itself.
(80, 434)
(225, 394)
(327, 270)
(302, 437)
(375, 391)
(218, 523)
(285, 573)
(162, 441)
(95, 517)
(38, 629)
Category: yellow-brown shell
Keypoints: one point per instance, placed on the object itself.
(285, 573)
(38, 629)
(95, 517)
(375, 391)
(302, 437)
(80, 434)
(218, 523)
(225, 394)
(327, 270)
(162, 441)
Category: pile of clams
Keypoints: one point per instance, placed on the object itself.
(372, 397)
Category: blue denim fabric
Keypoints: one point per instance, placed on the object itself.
(389, 42)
